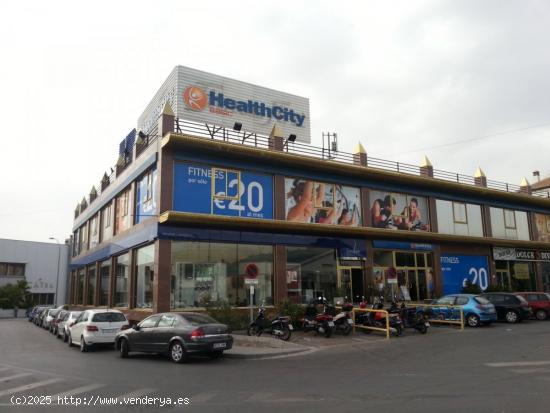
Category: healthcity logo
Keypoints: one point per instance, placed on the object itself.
(197, 99)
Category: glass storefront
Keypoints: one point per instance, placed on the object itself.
(545, 266)
(122, 270)
(516, 275)
(407, 275)
(145, 266)
(91, 285)
(81, 274)
(104, 270)
(206, 272)
(311, 273)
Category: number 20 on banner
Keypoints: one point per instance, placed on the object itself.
(478, 276)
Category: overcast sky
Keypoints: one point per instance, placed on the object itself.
(406, 78)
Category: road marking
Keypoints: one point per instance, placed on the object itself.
(137, 393)
(28, 386)
(15, 376)
(519, 364)
(531, 371)
(78, 390)
(202, 397)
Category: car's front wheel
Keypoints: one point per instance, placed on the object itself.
(177, 352)
(124, 348)
(511, 317)
(541, 315)
(472, 320)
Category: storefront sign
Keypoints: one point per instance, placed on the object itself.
(516, 254)
(396, 245)
(322, 203)
(457, 270)
(233, 192)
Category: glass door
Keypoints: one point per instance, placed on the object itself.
(344, 283)
(503, 279)
(350, 283)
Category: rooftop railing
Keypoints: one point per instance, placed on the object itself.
(303, 149)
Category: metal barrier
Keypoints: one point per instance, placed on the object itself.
(370, 310)
(445, 320)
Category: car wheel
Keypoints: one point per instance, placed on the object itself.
(511, 317)
(541, 315)
(124, 348)
(64, 336)
(472, 320)
(83, 346)
(177, 352)
(70, 340)
(215, 354)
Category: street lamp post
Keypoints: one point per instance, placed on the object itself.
(58, 259)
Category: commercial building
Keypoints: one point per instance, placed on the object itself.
(198, 210)
(43, 265)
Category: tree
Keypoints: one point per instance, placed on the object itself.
(15, 295)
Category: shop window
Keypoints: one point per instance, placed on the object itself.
(459, 213)
(91, 285)
(80, 286)
(145, 270)
(383, 258)
(203, 273)
(404, 259)
(120, 298)
(10, 269)
(509, 219)
(104, 273)
(311, 273)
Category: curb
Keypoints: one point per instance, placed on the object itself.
(265, 354)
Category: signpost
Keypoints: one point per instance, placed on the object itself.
(251, 279)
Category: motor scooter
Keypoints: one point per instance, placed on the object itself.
(320, 322)
(280, 327)
(343, 321)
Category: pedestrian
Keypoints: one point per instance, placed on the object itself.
(15, 310)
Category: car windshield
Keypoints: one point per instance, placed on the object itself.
(482, 300)
(198, 319)
(108, 317)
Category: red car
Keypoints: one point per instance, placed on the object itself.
(539, 302)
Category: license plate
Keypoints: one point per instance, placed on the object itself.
(290, 327)
(110, 330)
(350, 321)
(219, 345)
(331, 323)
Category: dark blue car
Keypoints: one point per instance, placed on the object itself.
(477, 309)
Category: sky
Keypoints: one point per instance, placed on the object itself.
(464, 83)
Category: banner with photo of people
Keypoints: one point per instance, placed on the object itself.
(322, 203)
(543, 227)
(399, 211)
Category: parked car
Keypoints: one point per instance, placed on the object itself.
(97, 326)
(49, 317)
(510, 308)
(63, 325)
(34, 313)
(539, 303)
(176, 334)
(39, 319)
(477, 310)
(55, 322)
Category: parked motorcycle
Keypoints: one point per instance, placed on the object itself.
(280, 327)
(321, 323)
(378, 319)
(343, 321)
(414, 319)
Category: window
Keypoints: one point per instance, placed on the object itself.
(145, 270)
(120, 297)
(446, 300)
(80, 286)
(104, 273)
(149, 188)
(108, 317)
(91, 285)
(509, 219)
(149, 322)
(167, 321)
(122, 216)
(459, 213)
(108, 216)
(203, 272)
(10, 269)
(462, 300)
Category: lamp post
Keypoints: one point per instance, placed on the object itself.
(58, 259)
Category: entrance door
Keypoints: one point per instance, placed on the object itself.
(358, 285)
(345, 282)
(503, 279)
(413, 284)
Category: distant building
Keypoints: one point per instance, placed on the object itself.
(43, 265)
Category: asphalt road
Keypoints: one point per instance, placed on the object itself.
(501, 368)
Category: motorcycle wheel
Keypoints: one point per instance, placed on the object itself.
(422, 329)
(346, 329)
(399, 330)
(254, 330)
(286, 334)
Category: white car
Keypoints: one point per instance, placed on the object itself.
(63, 326)
(98, 326)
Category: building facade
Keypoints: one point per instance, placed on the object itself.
(197, 212)
(43, 265)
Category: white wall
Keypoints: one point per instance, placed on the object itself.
(41, 265)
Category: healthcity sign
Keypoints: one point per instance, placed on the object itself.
(207, 98)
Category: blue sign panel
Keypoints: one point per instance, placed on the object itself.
(397, 245)
(457, 269)
(233, 192)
